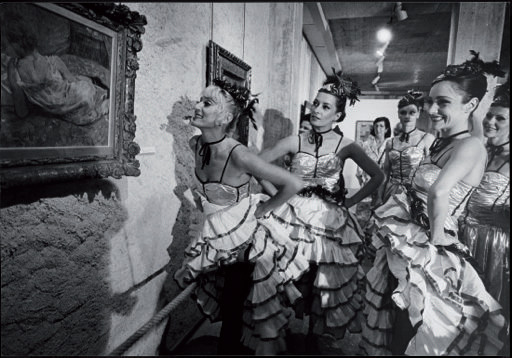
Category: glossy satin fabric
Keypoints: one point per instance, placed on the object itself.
(486, 232)
(403, 163)
(324, 170)
(425, 176)
(223, 194)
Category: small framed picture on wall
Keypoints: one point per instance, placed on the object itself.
(363, 129)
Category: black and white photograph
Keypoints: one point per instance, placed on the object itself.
(255, 179)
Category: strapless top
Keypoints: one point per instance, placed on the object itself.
(324, 170)
(492, 195)
(423, 179)
(223, 194)
(403, 163)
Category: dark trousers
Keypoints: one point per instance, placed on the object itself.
(237, 286)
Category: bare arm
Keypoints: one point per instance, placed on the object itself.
(428, 140)
(357, 154)
(287, 183)
(458, 167)
(387, 170)
(283, 147)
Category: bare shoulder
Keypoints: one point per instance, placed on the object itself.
(193, 141)
(471, 147)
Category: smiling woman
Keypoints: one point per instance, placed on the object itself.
(439, 303)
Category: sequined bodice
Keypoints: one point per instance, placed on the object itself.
(492, 195)
(423, 179)
(223, 194)
(403, 163)
(324, 170)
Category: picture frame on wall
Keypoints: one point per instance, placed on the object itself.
(363, 129)
(224, 65)
(72, 115)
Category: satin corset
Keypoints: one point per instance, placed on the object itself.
(403, 163)
(223, 194)
(492, 195)
(423, 179)
(324, 170)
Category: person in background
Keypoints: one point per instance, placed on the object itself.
(485, 227)
(244, 271)
(423, 295)
(374, 146)
(405, 151)
(318, 218)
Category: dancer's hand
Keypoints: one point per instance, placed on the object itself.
(261, 211)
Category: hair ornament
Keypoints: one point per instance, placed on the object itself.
(242, 96)
(342, 87)
(471, 68)
(412, 97)
(502, 95)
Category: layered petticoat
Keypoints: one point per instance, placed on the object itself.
(232, 234)
(445, 299)
(329, 237)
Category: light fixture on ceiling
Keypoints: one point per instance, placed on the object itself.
(399, 13)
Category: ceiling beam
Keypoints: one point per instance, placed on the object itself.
(318, 34)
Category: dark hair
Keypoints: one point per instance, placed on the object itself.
(412, 97)
(341, 88)
(469, 77)
(502, 95)
(386, 123)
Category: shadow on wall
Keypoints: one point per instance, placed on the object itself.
(276, 127)
(55, 257)
(187, 315)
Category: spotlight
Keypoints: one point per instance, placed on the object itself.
(384, 35)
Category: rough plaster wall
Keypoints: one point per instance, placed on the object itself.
(55, 252)
(172, 66)
(228, 27)
(284, 62)
(256, 43)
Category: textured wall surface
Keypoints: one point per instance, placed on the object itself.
(55, 252)
(85, 264)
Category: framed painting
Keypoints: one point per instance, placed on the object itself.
(363, 129)
(224, 65)
(68, 81)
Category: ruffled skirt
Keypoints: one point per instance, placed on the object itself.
(232, 234)
(329, 237)
(445, 299)
(490, 246)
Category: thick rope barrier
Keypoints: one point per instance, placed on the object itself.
(157, 318)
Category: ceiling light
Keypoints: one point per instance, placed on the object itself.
(384, 35)
(376, 80)
(379, 53)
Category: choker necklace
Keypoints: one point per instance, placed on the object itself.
(440, 143)
(317, 138)
(404, 137)
(495, 150)
(205, 152)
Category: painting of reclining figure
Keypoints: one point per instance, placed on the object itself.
(55, 80)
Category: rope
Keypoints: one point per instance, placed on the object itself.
(157, 318)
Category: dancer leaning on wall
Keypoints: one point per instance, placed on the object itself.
(318, 218)
(485, 226)
(244, 271)
(423, 296)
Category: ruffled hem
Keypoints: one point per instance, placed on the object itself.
(231, 235)
(444, 296)
(328, 236)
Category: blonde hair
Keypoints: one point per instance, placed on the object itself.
(226, 103)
